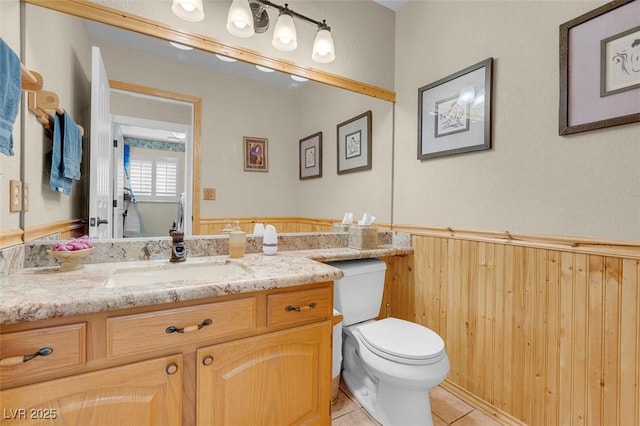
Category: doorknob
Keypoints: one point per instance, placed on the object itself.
(102, 221)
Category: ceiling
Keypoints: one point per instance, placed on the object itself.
(391, 4)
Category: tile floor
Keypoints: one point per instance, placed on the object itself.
(446, 408)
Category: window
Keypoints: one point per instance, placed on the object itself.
(154, 178)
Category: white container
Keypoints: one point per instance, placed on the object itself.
(270, 240)
(258, 230)
(358, 294)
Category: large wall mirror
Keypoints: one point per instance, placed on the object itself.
(153, 112)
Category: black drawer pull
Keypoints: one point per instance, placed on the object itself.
(174, 329)
(310, 306)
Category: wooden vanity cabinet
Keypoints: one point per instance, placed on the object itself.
(254, 358)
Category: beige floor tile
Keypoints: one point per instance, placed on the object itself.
(355, 418)
(446, 406)
(437, 421)
(343, 405)
(476, 418)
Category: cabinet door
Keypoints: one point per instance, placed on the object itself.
(143, 393)
(282, 378)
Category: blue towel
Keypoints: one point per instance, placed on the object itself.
(57, 181)
(72, 148)
(10, 92)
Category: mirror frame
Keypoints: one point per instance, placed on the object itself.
(117, 18)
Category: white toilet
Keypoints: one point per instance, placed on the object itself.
(389, 365)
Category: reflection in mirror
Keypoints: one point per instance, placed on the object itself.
(236, 104)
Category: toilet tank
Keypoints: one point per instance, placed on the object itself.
(358, 294)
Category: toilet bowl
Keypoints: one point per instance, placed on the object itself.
(389, 365)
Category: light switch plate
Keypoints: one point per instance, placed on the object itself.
(209, 193)
(15, 196)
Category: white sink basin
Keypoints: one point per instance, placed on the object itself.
(211, 272)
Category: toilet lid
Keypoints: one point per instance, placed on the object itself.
(401, 340)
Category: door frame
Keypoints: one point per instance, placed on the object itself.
(193, 154)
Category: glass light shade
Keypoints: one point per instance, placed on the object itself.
(298, 78)
(180, 46)
(225, 58)
(284, 35)
(264, 69)
(323, 50)
(240, 19)
(189, 10)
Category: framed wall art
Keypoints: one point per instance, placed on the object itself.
(600, 68)
(255, 154)
(355, 144)
(454, 113)
(311, 156)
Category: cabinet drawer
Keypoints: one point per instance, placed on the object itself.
(139, 333)
(67, 342)
(299, 306)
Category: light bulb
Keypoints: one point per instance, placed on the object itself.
(188, 6)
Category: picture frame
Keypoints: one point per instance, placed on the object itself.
(454, 113)
(355, 143)
(310, 157)
(256, 157)
(595, 90)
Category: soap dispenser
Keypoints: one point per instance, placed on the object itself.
(237, 242)
(270, 240)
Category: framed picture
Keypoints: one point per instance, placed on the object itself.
(355, 144)
(600, 68)
(311, 156)
(255, 155)
(454, 113)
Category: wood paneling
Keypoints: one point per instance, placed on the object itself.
(542, 331)
(10, 237)
(211, 226)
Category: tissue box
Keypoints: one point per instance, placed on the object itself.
(340, 227)
(363, 236)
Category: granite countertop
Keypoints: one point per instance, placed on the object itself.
(34, 294)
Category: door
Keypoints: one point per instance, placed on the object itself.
(143, 393)
(100, 152)
(281, 378)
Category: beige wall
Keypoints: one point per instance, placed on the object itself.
(10, 166)
(57, 47)
(533, 180)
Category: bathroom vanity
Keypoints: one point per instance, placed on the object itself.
(253, 347)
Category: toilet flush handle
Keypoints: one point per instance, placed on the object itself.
(310, 306)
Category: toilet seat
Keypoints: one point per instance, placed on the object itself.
(402, 341)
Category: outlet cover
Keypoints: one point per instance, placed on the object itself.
(209, 193)
(15, 196)
(25, 197)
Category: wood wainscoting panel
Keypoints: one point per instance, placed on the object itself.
(542, 335)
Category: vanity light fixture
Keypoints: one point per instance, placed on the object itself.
(189, 10)
(247, 17)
